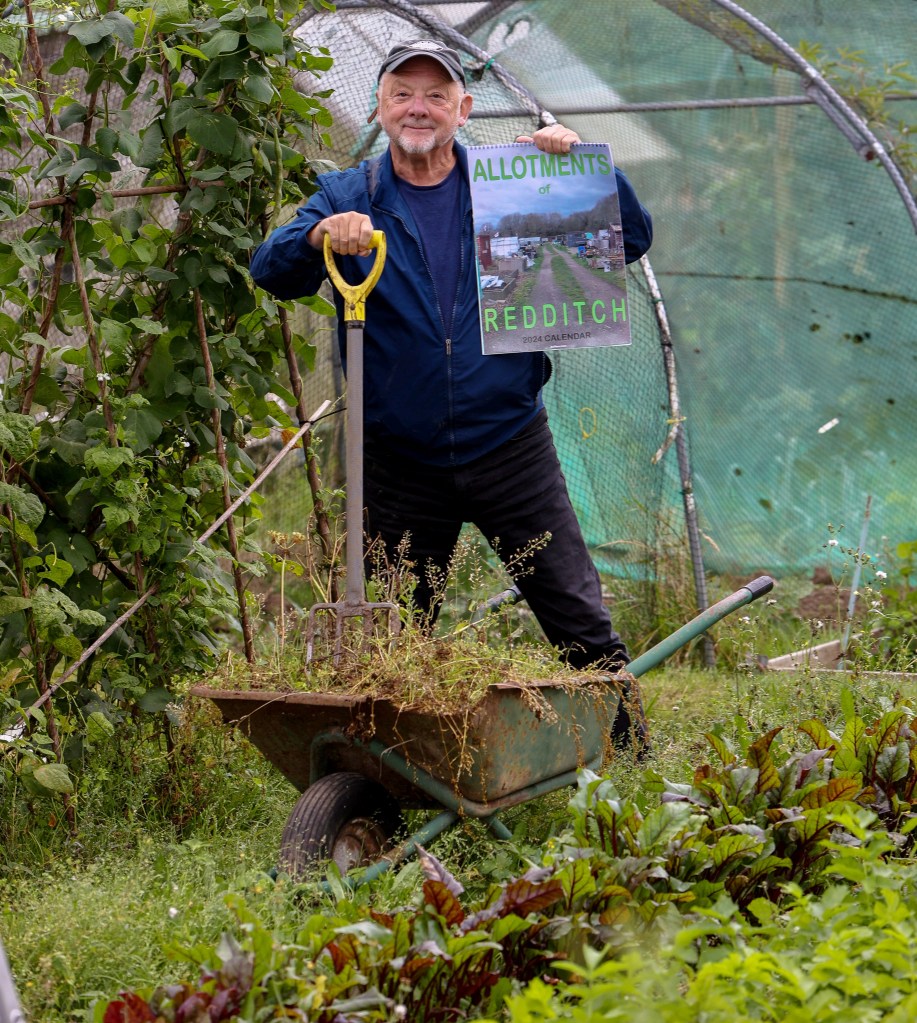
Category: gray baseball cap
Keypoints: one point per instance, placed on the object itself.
(437, 51)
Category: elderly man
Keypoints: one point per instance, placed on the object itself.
(452, 435)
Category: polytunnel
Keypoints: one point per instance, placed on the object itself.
(768, 397)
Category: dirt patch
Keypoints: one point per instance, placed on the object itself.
(826, 604)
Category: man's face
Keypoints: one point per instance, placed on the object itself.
(421, 107)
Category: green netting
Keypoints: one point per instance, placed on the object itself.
(784, 259)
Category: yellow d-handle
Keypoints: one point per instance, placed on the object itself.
(354, 295)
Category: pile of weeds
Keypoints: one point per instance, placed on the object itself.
(416, 670)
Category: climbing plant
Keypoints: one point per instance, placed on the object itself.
(139, 165)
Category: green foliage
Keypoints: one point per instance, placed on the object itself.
(714, 875)
(844, 955)
(141, 359)
(870, 87)
(896, 612)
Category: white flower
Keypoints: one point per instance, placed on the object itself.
(832, 543)
(400, 1011)
(771, 602)
(745, 620)
(173, 912)
(881, 575)
(101, 377)
(819, 624)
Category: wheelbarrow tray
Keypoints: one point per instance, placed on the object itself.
(513, 740)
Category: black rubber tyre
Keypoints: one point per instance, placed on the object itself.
(343, 817)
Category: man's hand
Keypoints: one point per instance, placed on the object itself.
(553, 139)
(350, 233)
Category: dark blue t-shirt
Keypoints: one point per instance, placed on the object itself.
(437, 212)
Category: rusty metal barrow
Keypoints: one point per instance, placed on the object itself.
(359, 761)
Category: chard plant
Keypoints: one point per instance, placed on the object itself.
(714, 874)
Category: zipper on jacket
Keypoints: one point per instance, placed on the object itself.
(448, 345)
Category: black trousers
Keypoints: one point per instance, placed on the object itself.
(515, 496)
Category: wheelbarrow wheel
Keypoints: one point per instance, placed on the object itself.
(343, 817)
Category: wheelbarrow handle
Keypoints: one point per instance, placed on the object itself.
(354, 295)
(742, 596)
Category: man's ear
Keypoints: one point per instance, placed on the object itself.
(465, 108)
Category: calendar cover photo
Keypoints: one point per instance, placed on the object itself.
(549, 248)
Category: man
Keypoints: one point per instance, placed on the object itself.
(452, 435)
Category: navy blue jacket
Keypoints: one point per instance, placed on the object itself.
(433, 399)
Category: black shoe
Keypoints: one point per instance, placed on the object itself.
(630, 731)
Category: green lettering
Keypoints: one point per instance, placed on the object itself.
(563, 166)
(546, 312)
(490, 320)
(504, 174)
(598, 306)
(577, 163)
(619, 306)
(492, 175)
(578, 306)
(533, 162)
(529, 317)
(479, 172)
(604, 163)
(520, 160)
(591, 158)
(548, 165)
(509, 318)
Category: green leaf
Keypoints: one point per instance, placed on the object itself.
(208, 399)
(266, 36)
(98, 727)
(17, 434)
(222, 41)
(151, 146)
(850, 756)
(818, 733)
(89, 32)
(116, 515)
(725, 754)
(760, 758)
(106, 461)
(68, 645)
(661, 825)
(731, 848)
(11, 603)
(170, 13)
(56, 570)
(894, 763)
(834, 791)
(24, 503)
(86, 616)
(216, 132)
(53, 778)
(259, 88)
(141, 428)
(154, 701)
(10, 45)
(72, 114)
(106, 140)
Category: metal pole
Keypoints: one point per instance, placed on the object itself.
(353, 516)
(677, 434)
(10, 1012)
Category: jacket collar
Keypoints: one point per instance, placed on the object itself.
(383, 182)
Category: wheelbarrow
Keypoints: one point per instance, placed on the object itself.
(359, 761)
